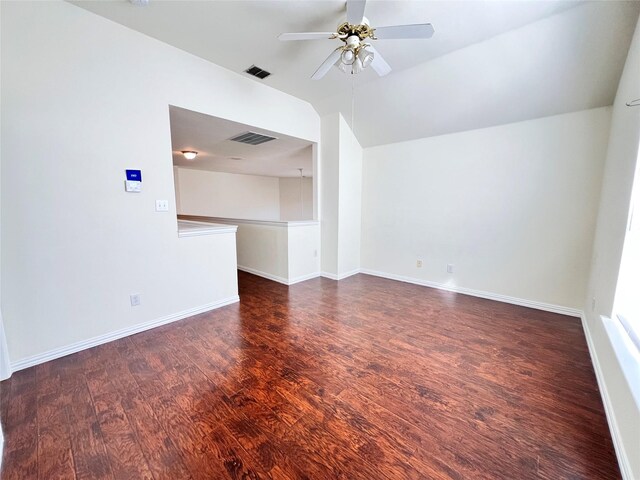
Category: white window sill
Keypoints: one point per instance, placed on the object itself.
(627, 353)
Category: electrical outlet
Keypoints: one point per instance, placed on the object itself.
(450, 268)
(162, 205)
(593, 304)
(419, 263)
(135, 299)
(315, 253)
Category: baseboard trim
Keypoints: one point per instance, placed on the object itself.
(304, 278)
(621, 454)
(262, 274)
(342, 276)
(277, 278)
(330, 276)
(548, 307)
(124, 332)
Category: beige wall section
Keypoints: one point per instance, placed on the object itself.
(89, 98)
(294, 206)
(230, 195)
(511, 207)
(615, 200)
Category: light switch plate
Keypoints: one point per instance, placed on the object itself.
(132, 186)
(162, 205)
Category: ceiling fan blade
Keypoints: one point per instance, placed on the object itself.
(327, 64)
(379, 64)
(307, 36)
(355, 11)
(421, 30)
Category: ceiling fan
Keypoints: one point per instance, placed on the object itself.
(356, 55)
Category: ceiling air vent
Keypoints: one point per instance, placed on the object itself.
(252, 138)
(257, 72)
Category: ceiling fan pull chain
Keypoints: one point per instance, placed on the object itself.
(353, 105)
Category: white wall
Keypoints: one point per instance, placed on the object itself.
(303, 251)
(255, 197)
(511, 207)
(341, 188)
(350, 201)
(263, 249)
(291, 206)
(613, 214)
(329, 172)
(5, 362)
(83, 99)
(286, 252)
(230, 195)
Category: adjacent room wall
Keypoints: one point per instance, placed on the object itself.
(622, 156)
(291, 206)
(230, 195)
(513, 208)
(84, 98)
(254, 197)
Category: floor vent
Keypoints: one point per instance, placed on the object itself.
(252, 138)
(257, 72)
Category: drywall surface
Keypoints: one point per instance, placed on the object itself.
(329, 198)
(83, 99)
(350, 203)
(512, 208)
(341, 194)
(263, 249)
(295, 205)
(5, 361)
(613, 215)
(218, 194)
(286, 252)
(303, 251)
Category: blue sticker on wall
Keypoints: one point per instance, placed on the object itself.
(134, 175)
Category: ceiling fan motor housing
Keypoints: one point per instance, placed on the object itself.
(352, 42)
(362, 31)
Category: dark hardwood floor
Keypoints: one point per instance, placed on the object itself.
(360, 379)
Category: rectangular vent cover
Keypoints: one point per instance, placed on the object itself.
(252, 138)
(257, 72)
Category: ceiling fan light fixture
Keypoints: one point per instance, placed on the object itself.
(365, 56)
(189, 154)
(357, 66)
(356, 55)
(344, 68)
(348, 57)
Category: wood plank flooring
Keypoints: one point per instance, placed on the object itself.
(364, 378)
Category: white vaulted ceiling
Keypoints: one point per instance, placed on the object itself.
(489, 62)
